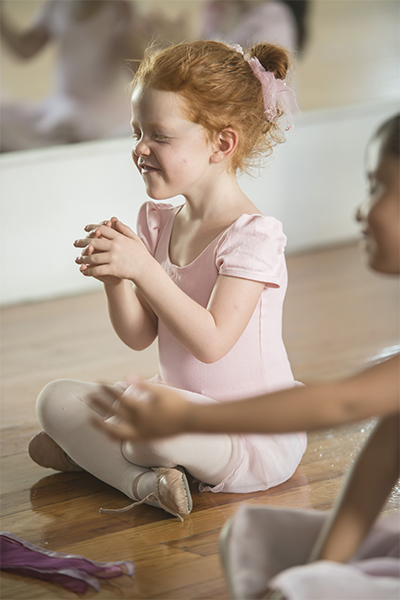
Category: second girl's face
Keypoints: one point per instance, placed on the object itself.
(381, 223)
(171, 153)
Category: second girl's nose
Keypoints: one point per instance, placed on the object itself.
(362, 212)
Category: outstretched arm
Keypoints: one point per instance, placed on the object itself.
(371, 392)
(364, 494)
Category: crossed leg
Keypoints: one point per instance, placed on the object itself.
(64, 412)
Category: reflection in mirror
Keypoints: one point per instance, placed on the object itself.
(88, 97)
(64, 75)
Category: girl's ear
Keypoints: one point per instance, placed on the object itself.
(225, 144)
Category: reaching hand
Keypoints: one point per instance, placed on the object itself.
(111, 252)
(148, 411)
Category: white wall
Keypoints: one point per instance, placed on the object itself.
(313, 184)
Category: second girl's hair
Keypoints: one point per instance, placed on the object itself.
(389, 132)
(220, 90)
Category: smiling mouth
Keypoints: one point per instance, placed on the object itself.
(145, 169)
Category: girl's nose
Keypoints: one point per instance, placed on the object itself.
(361, 213)
(141, 148)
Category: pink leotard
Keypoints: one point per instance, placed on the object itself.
(251, 248)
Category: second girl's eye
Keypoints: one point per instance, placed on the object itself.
(375, 187)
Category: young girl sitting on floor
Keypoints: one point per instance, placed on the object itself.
(262, 546)
(209, 278)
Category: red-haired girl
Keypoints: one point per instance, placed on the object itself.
(209, 278)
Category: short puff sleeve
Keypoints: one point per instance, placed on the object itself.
(149, 223)
(253, 248)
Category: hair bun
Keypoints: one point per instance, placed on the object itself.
(273, 58)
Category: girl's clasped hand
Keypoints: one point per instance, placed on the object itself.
(112, 250)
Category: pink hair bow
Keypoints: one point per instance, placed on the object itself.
(275, 94)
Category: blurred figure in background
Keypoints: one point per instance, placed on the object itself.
(247, 22)
(90, 98)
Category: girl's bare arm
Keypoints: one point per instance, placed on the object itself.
(374, 391)
(371, 392)
(131, 317)
(210, 332)
(364, 494)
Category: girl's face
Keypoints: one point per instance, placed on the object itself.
(171, 153)
(382, 221)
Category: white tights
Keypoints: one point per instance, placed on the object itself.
(64, 413)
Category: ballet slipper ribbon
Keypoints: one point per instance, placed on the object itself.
(276, 93)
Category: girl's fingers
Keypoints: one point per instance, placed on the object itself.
(82, 243)
(101, 271)
(88, 250)
(93, 226)
(104, 409)
(109, 403)
(99, 244)
(118, 431)
(115, 402)
(111, 392)
(125, 230)
(101, 258)
(109, 233)
(100, 231)
(105, 398)
(145, 389)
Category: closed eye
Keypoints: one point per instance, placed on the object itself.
(161, 138)
(374, 185)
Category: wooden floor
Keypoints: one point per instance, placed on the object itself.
(338, 317)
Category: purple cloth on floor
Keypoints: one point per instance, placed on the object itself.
(76, 573)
